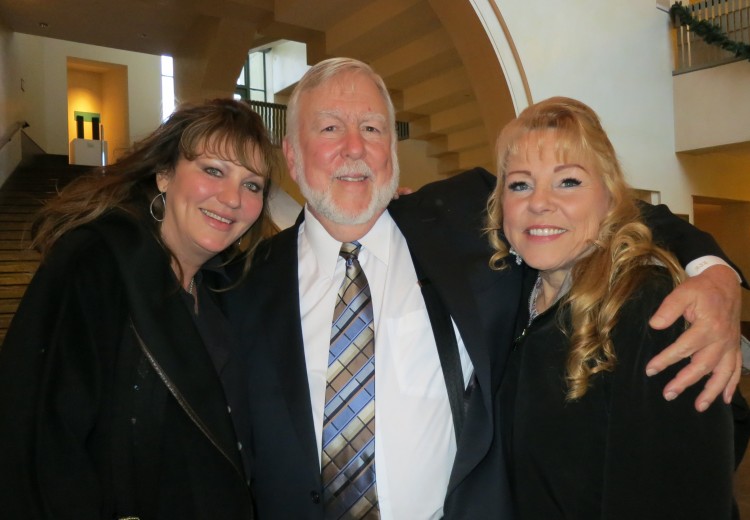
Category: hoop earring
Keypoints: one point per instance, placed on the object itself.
(513, 252)
(163, 205)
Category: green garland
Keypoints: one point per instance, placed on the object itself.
(710, 33)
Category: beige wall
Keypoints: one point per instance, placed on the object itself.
(729, 223)
(614, 56)
(44, 69)
(719, 174)
(84, 95)
(115, 106)
(417, 169)
(10, 102)
(103, 91)
(10, 85)
(712, 107)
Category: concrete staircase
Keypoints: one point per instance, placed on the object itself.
(22, 195)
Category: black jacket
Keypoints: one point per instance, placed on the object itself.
(442, 224)
(110, 405)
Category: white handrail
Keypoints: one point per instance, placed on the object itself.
(8, 137)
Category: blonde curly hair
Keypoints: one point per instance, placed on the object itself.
(624, 245)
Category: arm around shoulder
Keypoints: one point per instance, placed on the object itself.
(677, 461)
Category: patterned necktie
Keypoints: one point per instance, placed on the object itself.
(348, 461)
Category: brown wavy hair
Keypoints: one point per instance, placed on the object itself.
(224, 127)
(624, 246)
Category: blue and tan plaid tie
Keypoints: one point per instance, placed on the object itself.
(348, 459)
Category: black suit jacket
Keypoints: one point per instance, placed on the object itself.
(442, 224)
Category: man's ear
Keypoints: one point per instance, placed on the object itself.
(288, 150)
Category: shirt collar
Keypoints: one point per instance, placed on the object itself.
(376, 242)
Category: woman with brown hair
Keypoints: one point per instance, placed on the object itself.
(116, 388)
(588, 435)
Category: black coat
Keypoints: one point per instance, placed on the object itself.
(110, 405)
(442, 224)
(621, 451)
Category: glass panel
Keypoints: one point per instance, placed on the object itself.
(257, 95)
(241, 78)
(167, 97)
(167, 66)
(257, 71)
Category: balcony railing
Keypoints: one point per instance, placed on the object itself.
(274, 116)
(731, 16)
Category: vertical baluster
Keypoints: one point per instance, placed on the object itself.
(684, 60)
(282, 123)
(709, 51)
(698, 52)
(738, 19)
(277, 125)
(724, 20)
(710, 54)
(689, 41)
(680, 40)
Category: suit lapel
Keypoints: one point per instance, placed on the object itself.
(430, 236)
(284, 337)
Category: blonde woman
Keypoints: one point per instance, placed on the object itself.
(588, 435)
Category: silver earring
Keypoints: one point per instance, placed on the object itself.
(163, 205)
(513, 252)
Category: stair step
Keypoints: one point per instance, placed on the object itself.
(5, 320)
(15, 245)
(16, 209)
(17, 266)
(15, 226)
(12, 291)
(16, 278)
(16, 217)
(24, 254)
(9, 306)
(14, 234)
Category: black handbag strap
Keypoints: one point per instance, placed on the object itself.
(447, 347)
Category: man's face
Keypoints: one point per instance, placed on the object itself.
(342, 158)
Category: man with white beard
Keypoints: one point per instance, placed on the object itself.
(368, 427)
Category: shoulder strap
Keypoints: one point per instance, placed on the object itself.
(447, 347)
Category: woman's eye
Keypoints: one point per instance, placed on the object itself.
(254, 187)
(570, 183)
(518, 186)
(215, 172)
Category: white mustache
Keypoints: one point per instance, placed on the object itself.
(358, 167)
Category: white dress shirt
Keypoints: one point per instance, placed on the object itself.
(414, 439)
